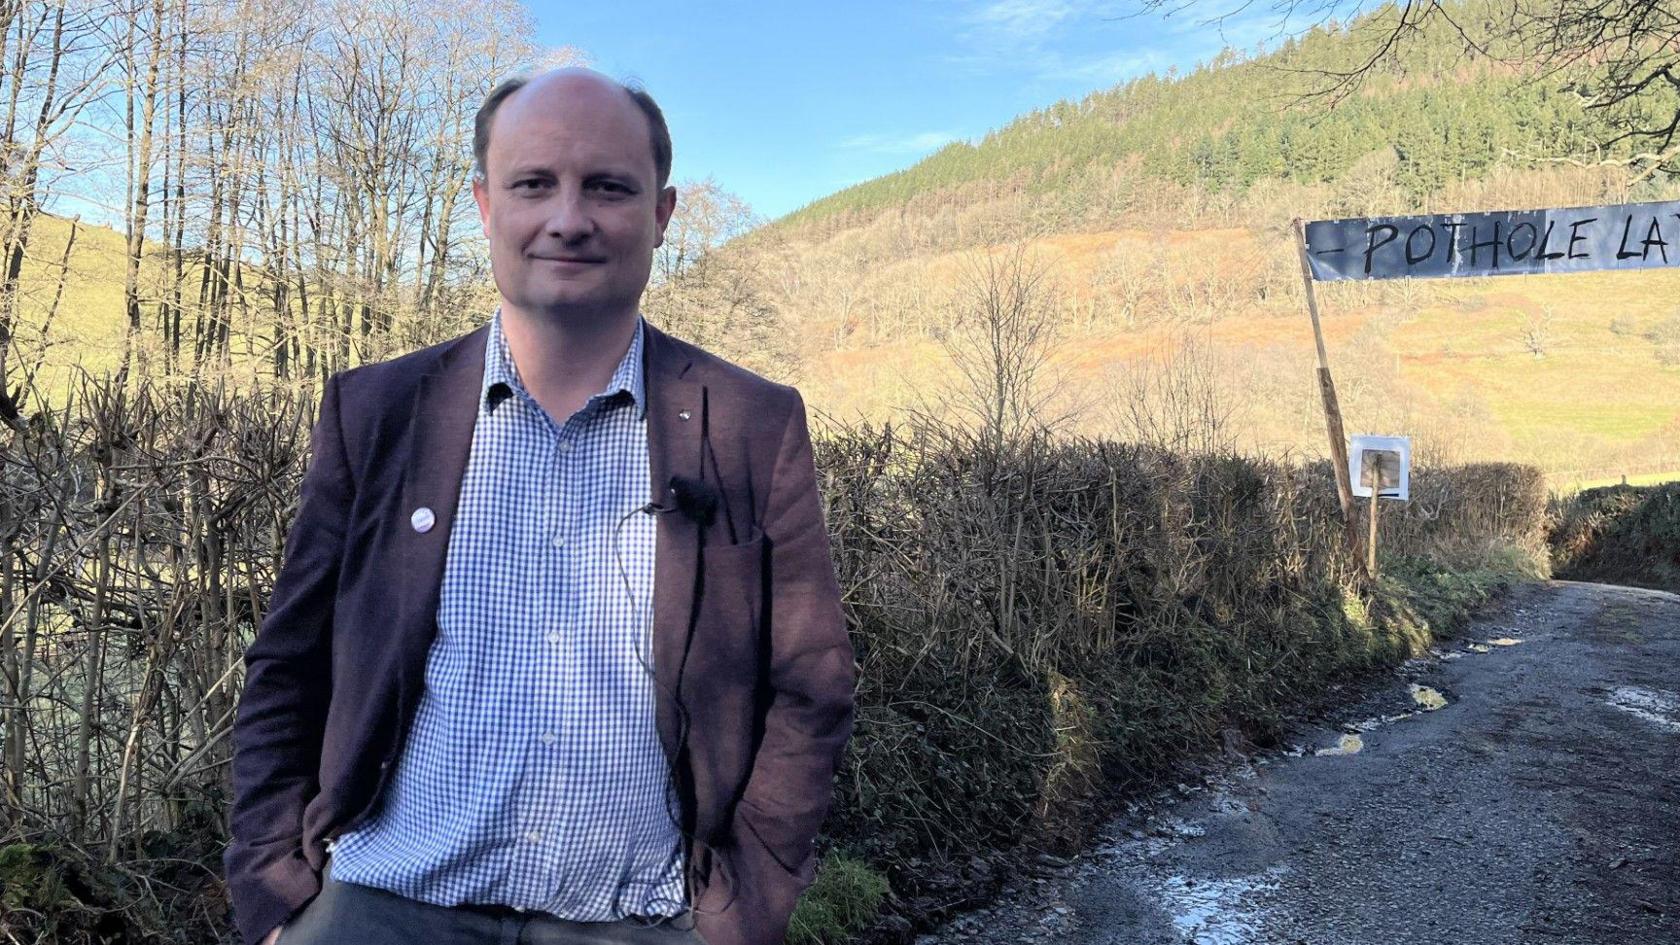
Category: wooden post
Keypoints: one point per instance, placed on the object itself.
(1327, 388)
(1371, 539)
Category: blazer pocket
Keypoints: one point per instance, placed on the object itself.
(737, 568)
(752, 542)
(794, 854)
(731, 605)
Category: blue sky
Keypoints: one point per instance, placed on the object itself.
(785, 102)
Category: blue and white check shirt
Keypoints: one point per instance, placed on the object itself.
(533, 775)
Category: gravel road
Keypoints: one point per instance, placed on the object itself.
(1538, 802)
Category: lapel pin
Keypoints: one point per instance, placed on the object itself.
(682, 415)
(422, 519)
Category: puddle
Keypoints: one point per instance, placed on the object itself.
(1218, 911)
(1653, 705)
(1429, 699)
(1347, 745)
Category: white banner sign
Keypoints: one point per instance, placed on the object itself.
(1513, 242)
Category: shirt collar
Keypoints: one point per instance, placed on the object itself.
(501, 375)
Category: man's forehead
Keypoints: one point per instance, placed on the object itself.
(573, 85)
(581, 116)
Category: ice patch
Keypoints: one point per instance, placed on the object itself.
(1229, 806)
(1219, 911)
(1653, 705)
(1181, 828)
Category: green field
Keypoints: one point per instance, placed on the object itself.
(1646, 479)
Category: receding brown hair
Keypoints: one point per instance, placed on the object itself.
(660, 135)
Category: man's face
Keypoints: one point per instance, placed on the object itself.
(571, 201)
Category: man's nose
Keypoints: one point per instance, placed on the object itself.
(569, 219)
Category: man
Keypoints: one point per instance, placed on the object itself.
(556, 654)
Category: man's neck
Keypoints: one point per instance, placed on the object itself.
(564, 361)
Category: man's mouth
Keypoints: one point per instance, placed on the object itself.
(570, 259)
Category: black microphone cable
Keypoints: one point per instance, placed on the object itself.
(695, 500)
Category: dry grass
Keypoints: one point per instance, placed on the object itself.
(1036, 620)
(1044, 622)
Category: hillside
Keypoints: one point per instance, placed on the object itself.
(1241, 119)
(1158, 212)
(1601, 398)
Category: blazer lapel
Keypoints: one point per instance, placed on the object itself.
(674, 422)
(440, 437)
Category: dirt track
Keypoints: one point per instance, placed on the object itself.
(1540, 804)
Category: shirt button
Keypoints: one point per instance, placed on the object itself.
(563, 447)
(554, 638)
(548, 738)
(559, 539)
(533, 836)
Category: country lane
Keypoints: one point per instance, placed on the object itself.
(1519, 785)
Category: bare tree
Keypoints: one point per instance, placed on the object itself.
(315, 199)
(142, 85)
(711, 293)
(1002, 339)
(1536, 331)
(1180, 397)
(54, 61)
(707, 217)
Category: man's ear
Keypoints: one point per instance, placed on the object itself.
(481, 196)
(666, 206)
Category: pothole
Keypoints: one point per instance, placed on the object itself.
(1218, 911)
(1653, 705)
(1427, 698)
(1346, 745)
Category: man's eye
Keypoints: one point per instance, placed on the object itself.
(527, 184)
(613, 187)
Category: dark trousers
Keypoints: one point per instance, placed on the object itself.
(350, 914)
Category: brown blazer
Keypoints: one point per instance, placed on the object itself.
(748, 631)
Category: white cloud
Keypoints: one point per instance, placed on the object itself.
(1111, 69)
(1030, 37)
(1053, 40)
(917, 143)
(1017, 20)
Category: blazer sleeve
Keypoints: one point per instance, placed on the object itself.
(277, 731)
(812, 666)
